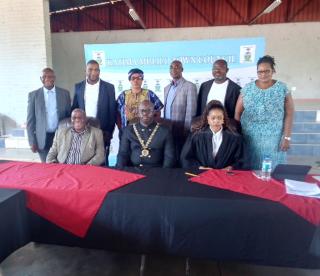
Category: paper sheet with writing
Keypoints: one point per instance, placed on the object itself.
(302, 188)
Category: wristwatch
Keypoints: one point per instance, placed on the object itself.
(287, 138)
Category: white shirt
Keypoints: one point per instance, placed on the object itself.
(216, 141)
(50, 100)
(218, 91)
(91, 94)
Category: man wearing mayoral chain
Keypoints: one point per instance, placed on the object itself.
(146, 143)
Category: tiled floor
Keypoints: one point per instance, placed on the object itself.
(51, 260)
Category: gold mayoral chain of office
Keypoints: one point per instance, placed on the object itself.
(145, 152)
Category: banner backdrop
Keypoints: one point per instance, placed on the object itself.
(154, 58)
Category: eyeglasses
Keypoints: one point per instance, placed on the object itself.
(147, 111)
(136, 78)
(264, 72)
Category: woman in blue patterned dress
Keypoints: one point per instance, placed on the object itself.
(265, 109)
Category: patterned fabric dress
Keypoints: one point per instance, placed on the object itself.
(262, 123)
(128, 104)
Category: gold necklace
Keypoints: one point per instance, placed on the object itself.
(145, 151)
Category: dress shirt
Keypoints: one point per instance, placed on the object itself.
(74, 155)
(218, 91)
(91, 96)
(170, 98)
(50, 99)
(216, 141)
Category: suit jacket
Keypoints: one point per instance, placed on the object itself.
(183, 107)
(92, 147)
(106, 110)
(198, 150)
(232, 94)
(37, 115)
(162, 153)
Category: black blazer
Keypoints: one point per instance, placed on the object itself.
(106, 111)
(197, 151)
(162, 152)
(233, 92)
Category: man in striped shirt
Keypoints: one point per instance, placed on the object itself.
(78, 144)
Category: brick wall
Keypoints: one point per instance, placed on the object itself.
(25, 48)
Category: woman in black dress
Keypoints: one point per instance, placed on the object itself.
(212, 144)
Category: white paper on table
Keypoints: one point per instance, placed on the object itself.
(316, 177)
(302, 188)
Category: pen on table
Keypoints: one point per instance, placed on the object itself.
(190, 174)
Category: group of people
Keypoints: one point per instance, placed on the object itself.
(223, 126)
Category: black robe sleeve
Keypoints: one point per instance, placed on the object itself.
(197, 151)
(238, 156)
(123, 158)
(169, 158)
(188, 156)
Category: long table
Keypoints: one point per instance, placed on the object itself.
(165, 213)
(14, 225)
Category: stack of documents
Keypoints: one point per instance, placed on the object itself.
(302, 188)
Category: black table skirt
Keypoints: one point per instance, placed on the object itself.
(166, 214)
(14, 227)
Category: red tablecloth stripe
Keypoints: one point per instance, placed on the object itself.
(67, 195)
(246, 183)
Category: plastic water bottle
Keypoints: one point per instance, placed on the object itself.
(266, 168)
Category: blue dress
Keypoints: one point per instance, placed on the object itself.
(262, 123)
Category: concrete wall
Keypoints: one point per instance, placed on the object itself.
(25, 48)
(296, 47)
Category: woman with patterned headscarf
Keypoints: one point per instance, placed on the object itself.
(129, 100)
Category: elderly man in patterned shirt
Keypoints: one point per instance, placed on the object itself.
(78, 144)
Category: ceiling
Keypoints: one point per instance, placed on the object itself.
(56, 5)
(113, 14)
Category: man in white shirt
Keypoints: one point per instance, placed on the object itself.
(97, 98)
(46, 107)
(220, 88)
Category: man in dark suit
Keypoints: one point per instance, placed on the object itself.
(219, 88)
(97, 98)
(147, 143)
(46, 107)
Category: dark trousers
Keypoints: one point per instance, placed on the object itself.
(107, 147)
(44, 152)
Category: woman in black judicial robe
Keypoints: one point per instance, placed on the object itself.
(198, 151)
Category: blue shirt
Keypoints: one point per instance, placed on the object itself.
(170, 98)
(50, 99)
